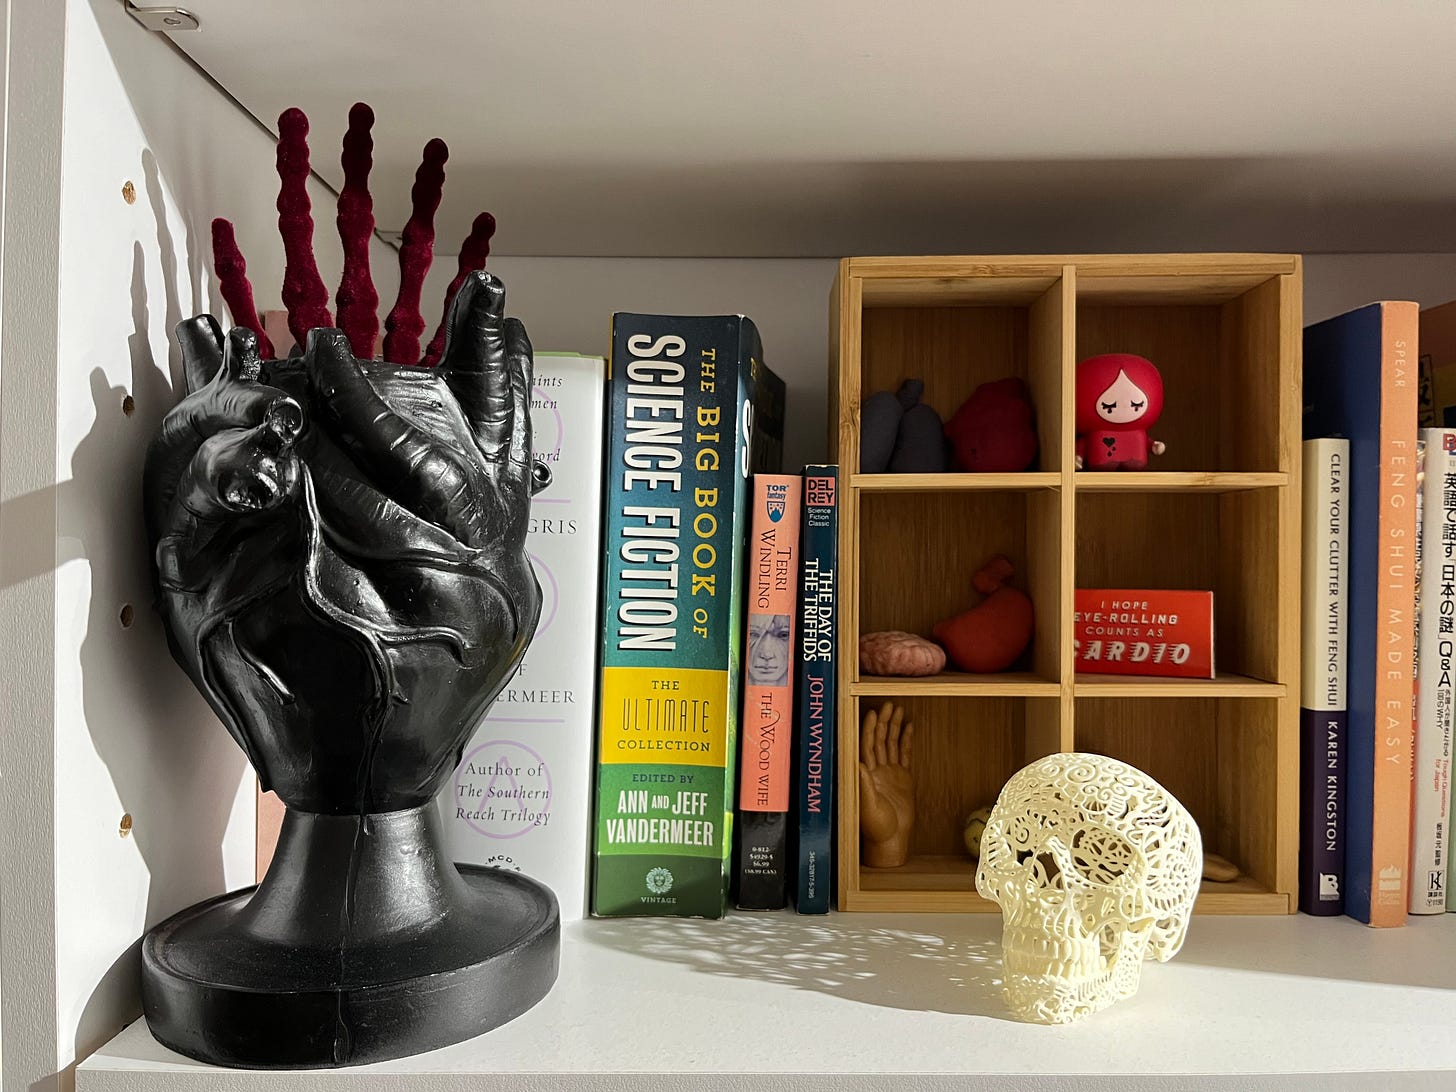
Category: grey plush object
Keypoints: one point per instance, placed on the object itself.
(898, 433)
(920, 445)
(879, 424)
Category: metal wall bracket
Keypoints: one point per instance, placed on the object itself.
(163, 20)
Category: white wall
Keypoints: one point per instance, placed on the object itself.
(99, 721)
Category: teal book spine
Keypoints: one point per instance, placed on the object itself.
(692, 413)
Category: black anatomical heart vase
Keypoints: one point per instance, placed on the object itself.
(341, 566)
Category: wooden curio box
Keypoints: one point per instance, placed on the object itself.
(1219, 511)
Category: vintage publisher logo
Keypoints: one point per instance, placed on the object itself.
(659, 881)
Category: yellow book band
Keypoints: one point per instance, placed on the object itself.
(657, 715)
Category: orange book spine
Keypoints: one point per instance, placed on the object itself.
(768, 698)
(1395, 598)
(768, 653)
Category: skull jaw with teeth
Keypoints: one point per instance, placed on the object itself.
(1095, 867)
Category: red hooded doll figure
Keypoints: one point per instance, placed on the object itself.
(1119, 397)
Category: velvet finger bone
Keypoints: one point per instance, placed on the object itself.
(357, 300)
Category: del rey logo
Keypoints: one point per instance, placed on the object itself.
(820, 491)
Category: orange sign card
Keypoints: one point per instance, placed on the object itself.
(1143, 632)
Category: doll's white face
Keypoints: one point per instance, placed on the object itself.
(1122, 402)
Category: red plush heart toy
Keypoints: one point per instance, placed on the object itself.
(993, 635)
(994, 431)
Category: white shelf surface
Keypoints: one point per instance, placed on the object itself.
(859, 1001)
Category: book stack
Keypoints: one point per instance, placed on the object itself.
(1379, 616)
(1360, 385)
(689, 421)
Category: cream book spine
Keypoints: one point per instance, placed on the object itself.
(521, 796)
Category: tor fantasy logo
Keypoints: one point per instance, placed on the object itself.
(776, 501)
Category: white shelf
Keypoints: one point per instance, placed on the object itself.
(853, 999)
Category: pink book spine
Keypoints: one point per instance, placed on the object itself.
(768, 656)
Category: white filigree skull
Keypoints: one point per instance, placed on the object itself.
(1095, 867)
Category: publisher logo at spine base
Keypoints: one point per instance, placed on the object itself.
(659, 881)
(503, 789)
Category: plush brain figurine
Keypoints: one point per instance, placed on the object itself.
(1119, 397)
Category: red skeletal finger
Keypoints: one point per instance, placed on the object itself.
(473, 254)
(232, 276)
(357, 299)
(405, 324)
(304, 293)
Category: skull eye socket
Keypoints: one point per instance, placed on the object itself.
(1109, 939)
(1047, 869)
(1101, 856)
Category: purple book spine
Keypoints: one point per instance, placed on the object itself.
(1321, 812)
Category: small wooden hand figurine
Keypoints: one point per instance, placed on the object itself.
(886, 789)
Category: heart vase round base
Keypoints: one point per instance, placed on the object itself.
(362, 943)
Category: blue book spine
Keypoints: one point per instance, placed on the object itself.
(1360, 383)
(815, 668)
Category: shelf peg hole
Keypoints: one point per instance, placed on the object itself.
(124, 827)
(126, 615)
(128, 192)
(128, 405)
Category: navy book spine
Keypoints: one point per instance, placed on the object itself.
(815, 668)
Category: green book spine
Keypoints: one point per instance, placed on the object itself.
(692, 413)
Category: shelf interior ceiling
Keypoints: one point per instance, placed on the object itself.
(770, 130)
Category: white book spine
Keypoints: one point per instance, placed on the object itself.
(1323, 598)
(1435, 634)
(521, 797)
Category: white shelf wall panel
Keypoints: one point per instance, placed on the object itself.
(99, 722)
